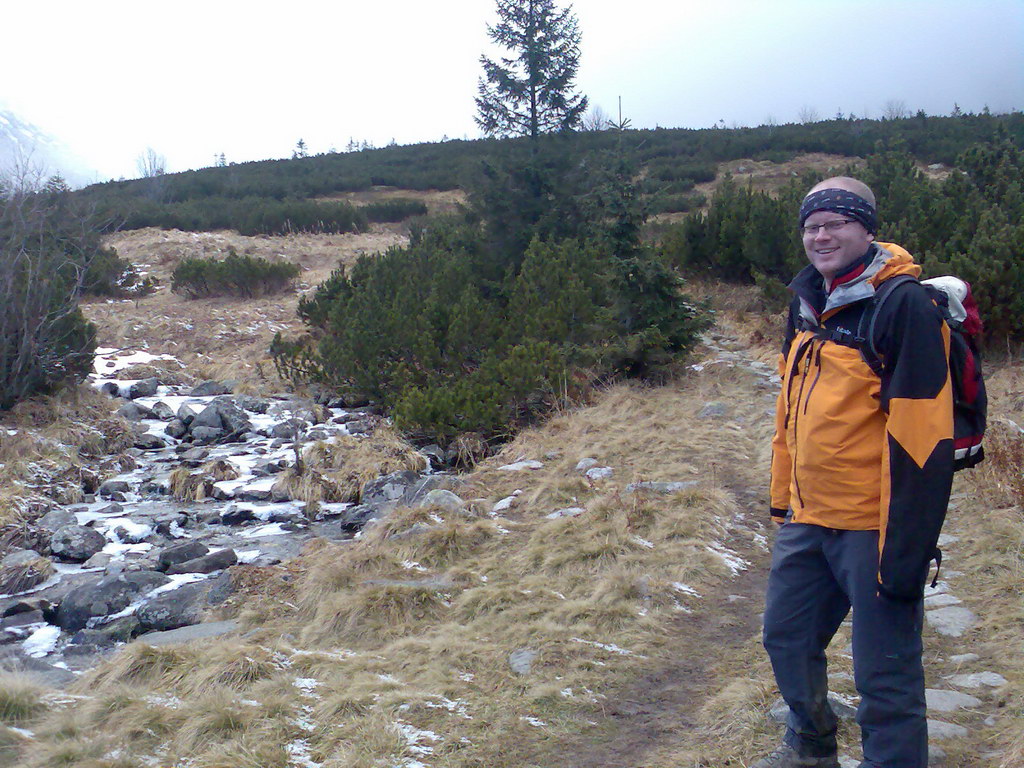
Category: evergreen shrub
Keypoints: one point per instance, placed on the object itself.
(243, 276)
(396, 209)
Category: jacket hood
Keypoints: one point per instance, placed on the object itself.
(889, 260)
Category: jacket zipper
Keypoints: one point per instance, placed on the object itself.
(817, 376)
(796, 418)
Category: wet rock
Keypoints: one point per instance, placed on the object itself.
(208, 388)
(134, 412)
(215, 561)
(56, 519)
(163, 411)
(390, 488)
(118, 631)
(23, 569)
(287, 430)
(182, 606)
(206, 435)
(237, 516)
(195, 454)
(442, 499)
(103, 597)
(110, 487)
(186, 413)
(250, 403)
(176, 428)
(76, 543)
(149, 442)
(144, 388)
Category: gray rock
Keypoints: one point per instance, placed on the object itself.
(390, 488)
(434, 453)
(978, 680)
(134, 412)
(941, 600)
(521, 660)
(937, 729)
(182, 606)
(55, 519)
(186, 413)
(964, 658)
(144, 388)
(76, 543)
(949, 701)
(153, 488)
(654, 486)
(208, 388)
(287, 430)
(418, 490)
(181, 553)
(103, 597)
(566, 512)
(110, 487)
(712, 411)
(269, 468)
(149, 442)
(163, 411)
(189, 634)
(206, 435)
(18, 620)
(936, 756)
(442, 499)
(99, 560)
(208, 417)
(19, 557)
(250, 403)
(215, 561)
(176, 428)
(584, 464)
(952, 621)
(195, 454)
(237, 516)
(599, 473)
(111, 388)
(364, 426)
(118, 631)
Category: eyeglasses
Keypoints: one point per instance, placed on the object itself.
(812, 230)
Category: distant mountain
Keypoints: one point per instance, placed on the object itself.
(23, 144)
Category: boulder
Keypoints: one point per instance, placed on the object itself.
(195, 454)
(118, 631)
(269, 468)
(209, 388)
(76, 543)
(103, 597)
(215, 561)
(186, 413)
(360, 426)
(55, 519)
(144, 388)
(111, 388)
(253, 404)
(163, 411)
(134, 412)
(442, 499)
(176, 428)
(110, 487)
(237, 516)
(149, 442)
(389, 489)
(286, 430)
(435, 455)
(584, 464)
(206, 435)
(180, 607)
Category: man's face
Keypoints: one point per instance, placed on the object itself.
(832, 251)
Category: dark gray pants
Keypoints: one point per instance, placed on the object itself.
(817, 575)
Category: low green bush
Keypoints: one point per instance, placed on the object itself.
(396, 209)
(242, 276)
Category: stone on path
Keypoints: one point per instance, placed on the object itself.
(978, 680)
(938, 730)
(949, 701)
(941, 600)
(952, 621)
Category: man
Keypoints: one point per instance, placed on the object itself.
(862, 466)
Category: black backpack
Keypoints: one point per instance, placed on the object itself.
(970, 404)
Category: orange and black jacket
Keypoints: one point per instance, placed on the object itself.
(855, 451)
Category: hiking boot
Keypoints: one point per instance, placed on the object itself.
(784, 756)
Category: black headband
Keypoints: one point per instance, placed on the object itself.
(842, 202)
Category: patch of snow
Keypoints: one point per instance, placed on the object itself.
(247, 555)
(135, 532)
(643, 542)
(110, 360)
(605, 646)
(308, 686)
(23, 732)
(170, 702)
(299, 755)
(685, 588)
(467, 677)
(455, 707)
(114, 548)
(178, 580)
(504, 504)
(567, 512)
(412, 565)
(414, 735)
(42, 640)
(273, 529)
(733, 562)
(535, 722)
(567, 693)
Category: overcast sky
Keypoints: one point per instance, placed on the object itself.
(193, 79)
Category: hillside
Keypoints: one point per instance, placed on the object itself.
(590, 595)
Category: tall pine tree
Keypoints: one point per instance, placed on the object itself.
(531, 91)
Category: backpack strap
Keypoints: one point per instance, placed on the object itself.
(866, 327)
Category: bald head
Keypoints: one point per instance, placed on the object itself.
(848, 183)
